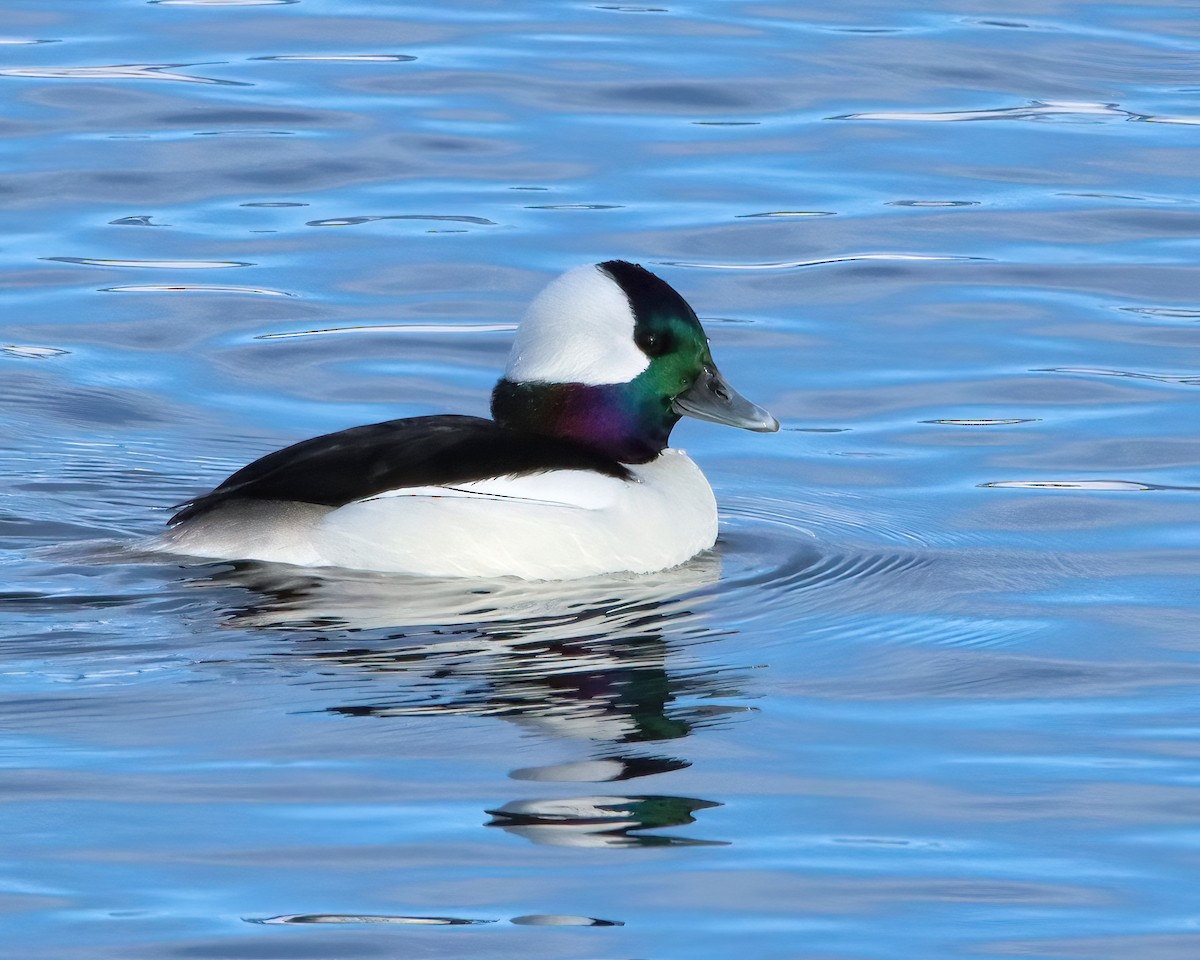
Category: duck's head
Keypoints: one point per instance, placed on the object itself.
(610, 356)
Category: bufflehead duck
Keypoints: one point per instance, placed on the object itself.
(571, 478)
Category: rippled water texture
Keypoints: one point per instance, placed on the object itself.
(933, 696)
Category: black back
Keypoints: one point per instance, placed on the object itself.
(362, 462)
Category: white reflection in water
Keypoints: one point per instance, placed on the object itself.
(793, 264)
(152, 264)
(121, 71)
(292, 597)
(195, 288)
(1069, 111)
(422, 328)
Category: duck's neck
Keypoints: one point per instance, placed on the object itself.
(617, 419)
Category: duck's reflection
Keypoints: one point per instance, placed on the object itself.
(613, 662)
(605, 821)
(294, 598)
(601, 769)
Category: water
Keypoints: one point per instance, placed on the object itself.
(934, 695)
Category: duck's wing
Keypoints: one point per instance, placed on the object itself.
(470, 455)
(556, 487)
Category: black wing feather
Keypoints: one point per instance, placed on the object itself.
(339, 468)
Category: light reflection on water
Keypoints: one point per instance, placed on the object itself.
(931, 695)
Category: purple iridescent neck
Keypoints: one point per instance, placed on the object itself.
(630, 425)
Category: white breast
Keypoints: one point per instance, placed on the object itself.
(559, 525)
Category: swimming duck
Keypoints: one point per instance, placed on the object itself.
(571, 478)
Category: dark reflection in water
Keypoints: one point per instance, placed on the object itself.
(586, 659)
(605, 661)
(601, 769)
(605, 821)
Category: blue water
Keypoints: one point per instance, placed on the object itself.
(935, 694)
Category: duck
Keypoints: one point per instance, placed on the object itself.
(572, 476)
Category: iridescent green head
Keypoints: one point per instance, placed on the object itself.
(611, 356)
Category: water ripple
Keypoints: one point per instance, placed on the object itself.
(119, 71)
(1185, 379)
(1003, 422)
(933, 203)
(219, 3)
(784, 214)
(31, 352)
(795, 264)
(245, 134)
(1169, 313)
(576, 206)
(350, 57)
(1033, 110)
(196, 288)
(1132, 198)
(526, 920)
(352, 221)
(1120, 486)
(1068, 111)
(421, 328)
(834, 569)
(152, 264)
(138, 221)
(363, 917)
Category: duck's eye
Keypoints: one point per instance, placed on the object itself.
(654, 343)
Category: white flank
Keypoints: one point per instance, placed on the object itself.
(560, 525)
(579, 489)
(250, 530)
(578, 330)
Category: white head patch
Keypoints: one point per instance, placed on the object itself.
(578, 330)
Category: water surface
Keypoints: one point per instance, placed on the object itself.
(933, 694)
